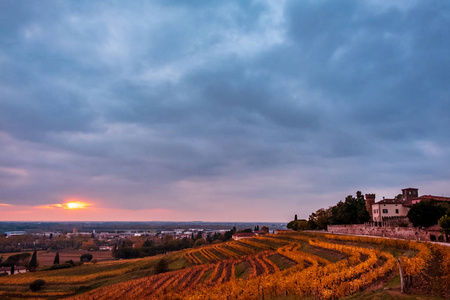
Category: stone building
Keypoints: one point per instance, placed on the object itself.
(395, 208)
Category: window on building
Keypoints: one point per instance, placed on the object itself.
(385, 211)
(396, 211)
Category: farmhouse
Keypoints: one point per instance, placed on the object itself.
(242, 235)
(388, 208)
(398, 207)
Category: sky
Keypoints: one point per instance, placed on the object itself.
(219, 110)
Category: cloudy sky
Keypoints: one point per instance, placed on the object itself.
(219, 110)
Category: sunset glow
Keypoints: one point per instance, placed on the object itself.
(74, 205)
(67, 205)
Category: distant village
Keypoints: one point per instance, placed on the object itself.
(121, 243)
(106, 239)
(109, 239)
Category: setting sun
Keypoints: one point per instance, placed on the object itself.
(74, 205)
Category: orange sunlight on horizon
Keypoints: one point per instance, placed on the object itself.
(68, 205)
(75, 205)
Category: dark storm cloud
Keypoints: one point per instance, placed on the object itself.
(173, 103)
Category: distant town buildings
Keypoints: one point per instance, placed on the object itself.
(12, 233)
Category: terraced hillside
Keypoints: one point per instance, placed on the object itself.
(288, 265)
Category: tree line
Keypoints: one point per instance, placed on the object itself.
(350, 211)
(150, 247)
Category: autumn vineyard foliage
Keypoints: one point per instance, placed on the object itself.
(315, 265)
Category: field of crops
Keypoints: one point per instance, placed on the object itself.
(321, 266)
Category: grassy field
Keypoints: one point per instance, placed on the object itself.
(287, 266)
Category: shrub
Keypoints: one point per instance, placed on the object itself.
(86, 257)
(62, 266)
(70, 262)
(37, 284)
(162, 266)
(200, 242)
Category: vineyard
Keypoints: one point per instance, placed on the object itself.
(314, 265)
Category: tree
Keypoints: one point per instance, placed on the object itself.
(37, 284)
(320, 219)
(245, 230)
(426, 213)
(199, 235)
(229, 234)
(33, 262)
(351, 211)
(148, 243)
(17, 259)
(209, 238)
(162, 266)
(56, 261)
(89, 245)
(87, 257)
(200, 242)
(298, 225)
(444, 222)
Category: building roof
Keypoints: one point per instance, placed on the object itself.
(430, 197)
(390, 201)
(435, 227)
(283, 230)
(261, 232)
(244, 234)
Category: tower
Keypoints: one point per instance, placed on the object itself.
(370, 200)
(409, 194)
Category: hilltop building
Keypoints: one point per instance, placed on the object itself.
(243, 235)
(398, 207)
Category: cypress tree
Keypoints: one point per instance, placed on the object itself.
(56, 261)
(33, 262)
